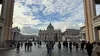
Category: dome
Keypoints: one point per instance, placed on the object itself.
(50, 27)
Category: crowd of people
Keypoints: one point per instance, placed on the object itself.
(65, 45)
(27, 45)
(84, 45)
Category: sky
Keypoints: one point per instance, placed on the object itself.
(32, 15)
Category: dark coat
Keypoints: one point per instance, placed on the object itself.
(89, 48)
(70, 45)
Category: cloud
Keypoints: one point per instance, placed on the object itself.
(61, 6)
(37, 14)
(67, 24)
(27, 30)
(20, 19)
(32, 15)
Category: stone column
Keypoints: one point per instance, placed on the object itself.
(90, 13)
(99, 34)
(7, 14)
(16, 36)
(12, 35)
(0, 34)
(82, 35)
(96, 34)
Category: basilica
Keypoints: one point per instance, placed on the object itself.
(50, 34)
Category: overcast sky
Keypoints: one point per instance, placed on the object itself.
(32, 15)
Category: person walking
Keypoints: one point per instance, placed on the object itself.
(52, 45)
(59, 46)
(48, 46)
(70, 46)
(34, 43)
(25, 45)
(82, 46)
(30, 45)
(77, 46)
(74, 44)
(66, 44)
(40, 43)
(21, 44)
(18, 46)
(89, 48)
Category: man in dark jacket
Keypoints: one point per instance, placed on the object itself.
(89, 48)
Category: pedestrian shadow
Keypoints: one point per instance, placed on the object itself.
(28, 50)
(17, 52)
(50, 54)
(65, 49)
(59, 52)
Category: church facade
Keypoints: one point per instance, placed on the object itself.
(50, 34)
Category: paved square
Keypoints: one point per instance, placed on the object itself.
(41, 51)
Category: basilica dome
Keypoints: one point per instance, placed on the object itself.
(50, 27)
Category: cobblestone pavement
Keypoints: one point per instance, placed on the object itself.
(41, 51)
